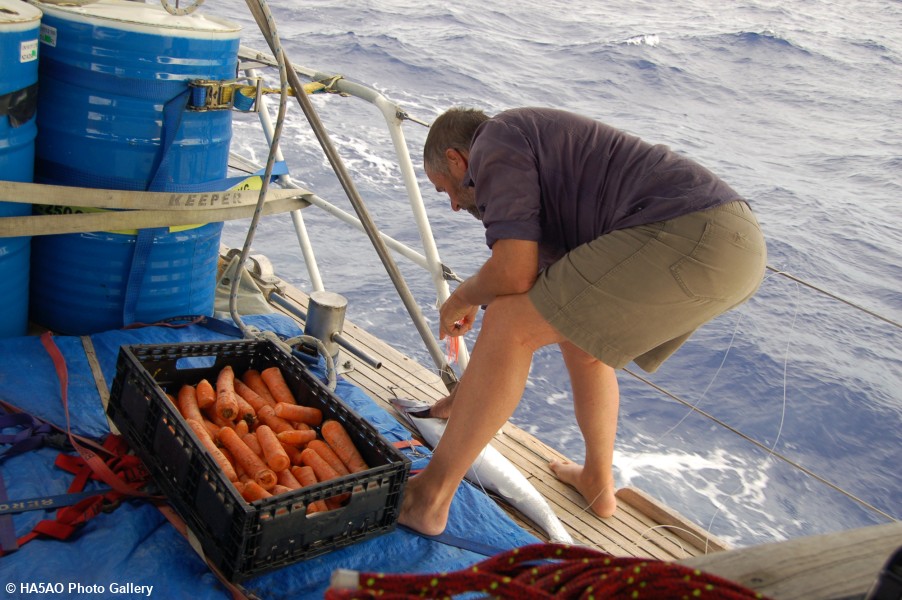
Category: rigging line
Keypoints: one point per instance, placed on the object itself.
(755, 442)
(863, 309)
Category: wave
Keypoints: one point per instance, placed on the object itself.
(645, 39)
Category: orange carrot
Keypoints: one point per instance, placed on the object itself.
(244, 456)
(328, 455)
(296, 412)
(280, 489)
(250, 396)
(268, 416)
(212, 428)
(323, 470)
(187, 404)
(275, 456)
(254, 491)
(225, 452)
(215, 418)
(275, 382)
(226, 404)
(214, 451)
(305, 477)
(246, 412)
(294, 455)
(254, 381)
(337, 437)
(206, 395)
(295, 437)
(288, 480)
(242, 428)
(253, 443)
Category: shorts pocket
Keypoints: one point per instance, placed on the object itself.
(725, 265)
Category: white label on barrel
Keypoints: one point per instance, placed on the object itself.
(28, 51)
(48, 35)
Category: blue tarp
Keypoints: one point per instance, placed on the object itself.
(135, 546)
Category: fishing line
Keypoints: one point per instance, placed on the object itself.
(783, 410)
(713, 379)
(676, 540)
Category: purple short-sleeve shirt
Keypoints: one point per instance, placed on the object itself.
(562, 180)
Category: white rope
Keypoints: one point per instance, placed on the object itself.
(267, 26)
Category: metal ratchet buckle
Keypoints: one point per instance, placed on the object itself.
(210, 94)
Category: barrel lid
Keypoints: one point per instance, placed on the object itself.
(18, 12)
(138, 17)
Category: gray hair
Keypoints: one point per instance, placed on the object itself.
(452, 129)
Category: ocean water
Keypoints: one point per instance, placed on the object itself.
(795, 104)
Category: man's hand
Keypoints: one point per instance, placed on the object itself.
(455, 316)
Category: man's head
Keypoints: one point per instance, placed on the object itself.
(452, 130)
(446, 155)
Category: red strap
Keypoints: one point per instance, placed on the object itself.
(126, 475)
(407, 443)
(90, 457)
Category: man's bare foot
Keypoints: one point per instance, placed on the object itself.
(419, 512)
(442, 408)
(599, 494)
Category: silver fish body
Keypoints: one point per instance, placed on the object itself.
(491, 471)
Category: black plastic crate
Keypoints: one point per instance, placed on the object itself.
(244, 539)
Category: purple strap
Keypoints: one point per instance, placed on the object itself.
(31, 435)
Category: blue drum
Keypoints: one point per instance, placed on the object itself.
(113, 114)
(19, 27)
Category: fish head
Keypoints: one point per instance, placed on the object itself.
(411, 408)
(416, 414)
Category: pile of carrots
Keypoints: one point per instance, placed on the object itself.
(263, 440)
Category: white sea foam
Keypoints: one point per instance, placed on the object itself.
(646, 39)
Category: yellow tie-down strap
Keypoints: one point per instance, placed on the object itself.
(253, 182)
(211, 94)
(79, 210)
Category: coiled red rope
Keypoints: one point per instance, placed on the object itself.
(559, 571)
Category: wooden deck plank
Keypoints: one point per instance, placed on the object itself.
(618, 534)
(654, 537)
(835, 565)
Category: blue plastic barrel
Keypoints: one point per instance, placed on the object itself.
(111, 114)
(19, 26)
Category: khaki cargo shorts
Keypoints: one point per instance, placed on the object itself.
(637, 294)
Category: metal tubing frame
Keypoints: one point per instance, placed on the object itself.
(394, 116)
